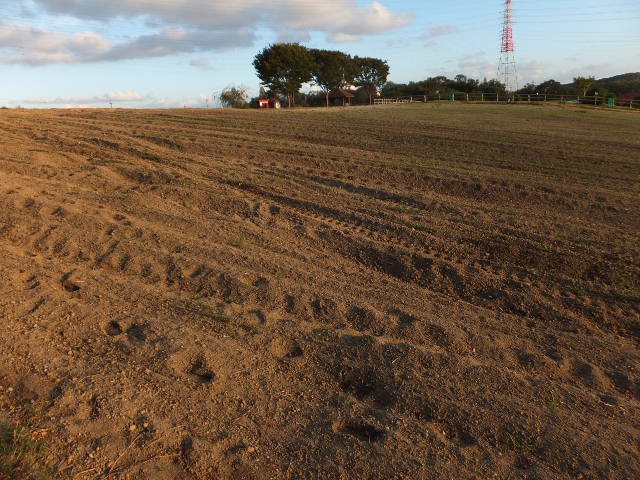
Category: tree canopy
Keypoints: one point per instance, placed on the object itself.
(584, 83)
(332, 70)
(371, 74)
(284, 67)
(442, 85)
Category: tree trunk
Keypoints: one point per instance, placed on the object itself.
(327, 98)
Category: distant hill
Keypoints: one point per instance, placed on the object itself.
(625, 77)
(619, 84)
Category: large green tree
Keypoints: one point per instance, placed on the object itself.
(551, 86)
(584, 84)
(372, 74)
(332, 70)
(284, 67)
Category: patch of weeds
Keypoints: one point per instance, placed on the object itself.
(240, 241)
(577, 290)
(203, 308)
(555, 401)
(322, 333)
(369, 340)
(233, 182)
(544, 248)
(514, 442)
(152, 156)
(525, 441)
(505, 241)
(232, 296)
(249, 328)
(628, 285)
(633, 297)
(22, 453)
(424, 228)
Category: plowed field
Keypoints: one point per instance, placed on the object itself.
(411, 292)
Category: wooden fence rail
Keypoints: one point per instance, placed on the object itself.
(510, 98)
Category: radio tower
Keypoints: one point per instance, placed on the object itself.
(507, 73)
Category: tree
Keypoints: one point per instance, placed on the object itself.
(234, 97)
(284, 67)
(436, 85)
(492, 86)
(332, 70)
(584, 83)
(372, 74)
(463, 84)
(551, 86)
(528, 88)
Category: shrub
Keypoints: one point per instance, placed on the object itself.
(234, 97)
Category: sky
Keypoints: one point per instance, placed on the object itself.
(174, 53)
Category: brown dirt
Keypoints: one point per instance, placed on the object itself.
(381, 293)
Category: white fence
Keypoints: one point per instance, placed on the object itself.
(511, 98)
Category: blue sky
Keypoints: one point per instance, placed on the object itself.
(155, 53)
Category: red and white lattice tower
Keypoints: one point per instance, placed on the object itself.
(507, 73)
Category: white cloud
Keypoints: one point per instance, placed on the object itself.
(284, 35)
(113, 97)
(435, 31)
(35, 46)
(189, 26)
(598, 70)
(343, 38)
(123, 99)
(202, 63)
(477, 65)
(332, 17)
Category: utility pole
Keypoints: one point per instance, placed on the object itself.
(507, 73)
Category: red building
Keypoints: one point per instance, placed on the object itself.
(268, 103)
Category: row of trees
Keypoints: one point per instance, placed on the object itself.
(580, 86)
(284, 67)
(626, 83)
(442, 85)
(460, 83)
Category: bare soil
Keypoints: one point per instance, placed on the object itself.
(436, 292)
